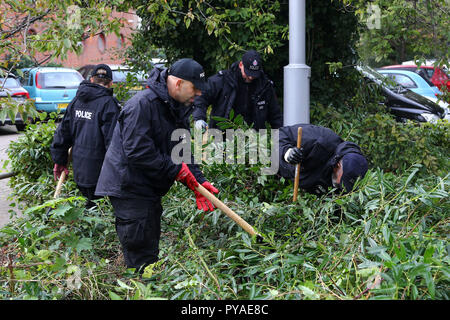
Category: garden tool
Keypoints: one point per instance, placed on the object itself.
(7, 175)
(204, 142)
(230, 213)
(297, 167)
(61, 180)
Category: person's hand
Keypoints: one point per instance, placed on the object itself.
(294, 155)
(58, 169)
(203, 203)
(201, 125)
(186, 177)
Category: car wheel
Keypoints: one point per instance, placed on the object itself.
(21, 127)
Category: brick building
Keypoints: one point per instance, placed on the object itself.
(104, 48)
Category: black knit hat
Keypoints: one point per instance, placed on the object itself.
(190, 70)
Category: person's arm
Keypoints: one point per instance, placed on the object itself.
(287, 139)
(201, 103)
(275, 114)
(108, 121)
(139, 147)
(62, 140)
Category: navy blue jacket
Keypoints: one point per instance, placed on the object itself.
(138, 163)
(221, 94)
(322, 150)
(87, 127)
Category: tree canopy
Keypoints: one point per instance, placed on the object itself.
(216, 33)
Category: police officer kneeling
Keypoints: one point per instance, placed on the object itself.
(87, 127)
(326, 159)
(138, 169)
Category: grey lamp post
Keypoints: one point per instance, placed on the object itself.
(297, 73)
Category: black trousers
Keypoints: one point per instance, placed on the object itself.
(89, 193)
(138, 226)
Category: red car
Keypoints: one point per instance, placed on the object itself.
(11, 87)
(434, 76)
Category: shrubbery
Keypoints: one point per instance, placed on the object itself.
(387, 240)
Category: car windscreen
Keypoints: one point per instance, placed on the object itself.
(121, 75)
(56, 80)
(404, 80)
(9, 83)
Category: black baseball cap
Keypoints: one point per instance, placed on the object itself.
(354, 166)
(252, 63)
(102, 71)
(190, 70)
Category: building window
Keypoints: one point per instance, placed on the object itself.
(101, 43)
(120, 41)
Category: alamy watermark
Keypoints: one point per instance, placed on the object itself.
(374, 19)
(73, 17)
(229, 146)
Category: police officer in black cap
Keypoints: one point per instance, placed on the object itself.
(87, 127)
(244, 88)
(138, 168)
(326, 160)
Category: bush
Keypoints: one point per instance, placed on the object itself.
(390, 145)
(31, 160)
(383, 241)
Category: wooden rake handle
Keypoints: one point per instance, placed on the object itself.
(230, 213)
(297, 167)
(62, 177)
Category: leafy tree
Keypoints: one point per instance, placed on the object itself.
(216, 33)
(394, 31)
(40, 31)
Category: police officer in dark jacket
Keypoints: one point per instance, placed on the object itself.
(244, 88)
(87, 127)
(326, 160)
(138, 168)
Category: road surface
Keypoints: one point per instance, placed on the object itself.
(7, 134)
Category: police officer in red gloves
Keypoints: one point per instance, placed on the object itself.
(138, 169)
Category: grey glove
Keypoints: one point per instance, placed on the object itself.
(294, 155)
(200, 125)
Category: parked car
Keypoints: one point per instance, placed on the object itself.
(120, 73)
(433, 75)
(412, 81)
(402, 102)
(416, 83)
(51, 88)
(10, 86)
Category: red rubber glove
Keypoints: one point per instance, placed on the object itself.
(186, 177)
(58, 169)
(202, 202)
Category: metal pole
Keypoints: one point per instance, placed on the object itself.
(297, 73)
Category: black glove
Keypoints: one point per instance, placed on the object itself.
(294, 155)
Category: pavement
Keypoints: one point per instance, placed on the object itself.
(7, 134)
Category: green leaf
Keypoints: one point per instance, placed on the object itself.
(114, 296)
(428, 255)
(84, 244)
(67, 43)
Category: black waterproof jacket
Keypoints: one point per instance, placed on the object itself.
(221, 94)
(138, 163)
(322, 149)
(87, 127)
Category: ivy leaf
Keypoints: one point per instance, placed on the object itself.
(84, 244)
